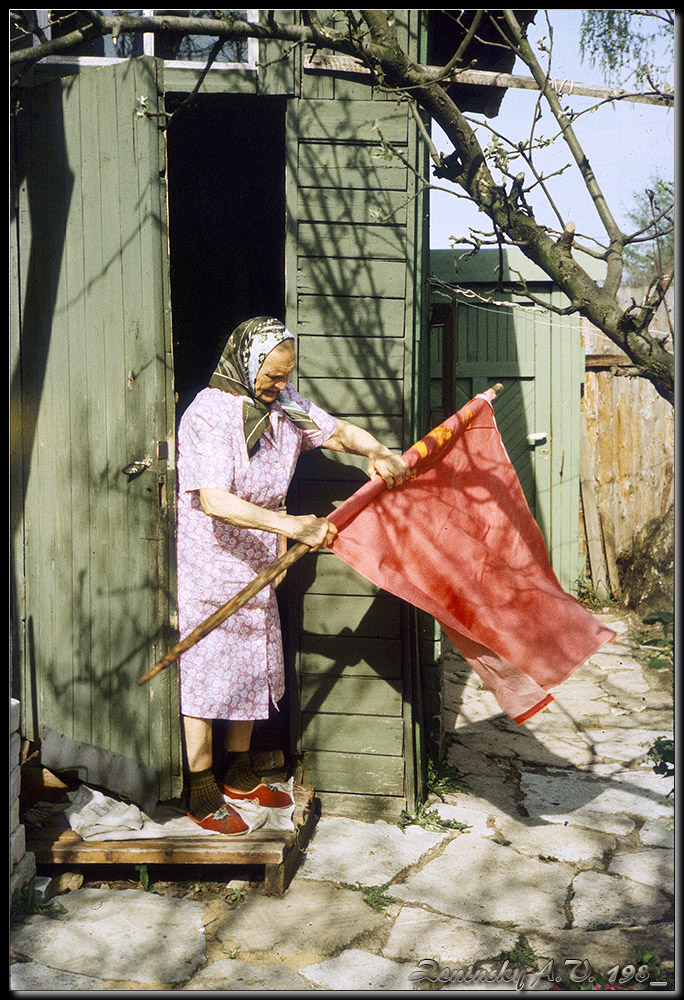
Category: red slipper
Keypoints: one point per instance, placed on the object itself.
(265, 795)
(225, 820)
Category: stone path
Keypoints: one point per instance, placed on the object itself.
(567, 856)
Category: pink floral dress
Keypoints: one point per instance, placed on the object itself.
(237, 670)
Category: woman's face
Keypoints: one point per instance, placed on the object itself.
(274, 374)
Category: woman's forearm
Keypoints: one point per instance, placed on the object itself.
(353, 440)
(314, 531)
(241, 513)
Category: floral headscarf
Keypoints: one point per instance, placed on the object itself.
(243, 355)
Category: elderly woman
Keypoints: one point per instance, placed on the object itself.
(238, 444)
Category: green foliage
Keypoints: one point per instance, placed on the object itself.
(664, 643)
(587, 594)
(144, 878)
(643, 261)
(520, 957)
(442, 778)
(662, 754)
(25, 903)
(374, 895)
(428, 819)
(234, 898)
(627, 43)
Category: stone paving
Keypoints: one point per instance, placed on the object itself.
(566, 856)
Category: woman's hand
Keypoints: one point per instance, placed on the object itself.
(392, 468)
(381, 462)
(316, 532)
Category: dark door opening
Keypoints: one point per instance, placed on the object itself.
(226, 191)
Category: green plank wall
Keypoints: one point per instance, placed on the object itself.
(354, 230)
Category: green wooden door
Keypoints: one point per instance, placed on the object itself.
(92, 396)
(351, 264)
(538, 358)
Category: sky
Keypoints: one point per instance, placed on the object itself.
(627, 145)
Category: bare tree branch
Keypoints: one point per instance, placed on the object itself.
(369, 41)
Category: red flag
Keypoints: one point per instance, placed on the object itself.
(458, 541)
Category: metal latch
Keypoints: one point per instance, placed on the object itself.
(134, 469)
(538, 437)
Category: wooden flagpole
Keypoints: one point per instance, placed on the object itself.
(267, 575)
(281, 565)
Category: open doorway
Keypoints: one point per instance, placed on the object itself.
(226, 190)
(226, 204)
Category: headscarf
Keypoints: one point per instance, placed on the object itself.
(243, 355)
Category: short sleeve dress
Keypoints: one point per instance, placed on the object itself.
(237, 670)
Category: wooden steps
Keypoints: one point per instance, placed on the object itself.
(278, 852)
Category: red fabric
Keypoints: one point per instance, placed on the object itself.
(459, 542)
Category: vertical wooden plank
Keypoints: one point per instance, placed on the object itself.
(74, 641)
(541, 423)
(17, 540)
(48, 617)
(147, 345)
(592, 524)
(278, 75)
(96, 680)
(113, 176)
(571, 463)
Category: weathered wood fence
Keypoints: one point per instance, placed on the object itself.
(627, 473)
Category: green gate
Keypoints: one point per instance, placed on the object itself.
(538, 357)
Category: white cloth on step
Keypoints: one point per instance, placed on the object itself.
(96, 816)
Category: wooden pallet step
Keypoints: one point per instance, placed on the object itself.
(278, 851)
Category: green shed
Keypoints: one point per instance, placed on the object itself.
(137, 244)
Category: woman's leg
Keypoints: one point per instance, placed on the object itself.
(205, 797)
(238, 736)
(198, 743)
(236, 761)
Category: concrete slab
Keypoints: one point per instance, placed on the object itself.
(580, 699)
(128, 935)
(478, 880)
(555, 840)
(604, 948)
(608, 901)
(358, 970)
(653, 868)
(541, 748)
(489, 795)
(420, 934)
(626, 745)
(232, 974)
(36, 977)
(658, 832)
(468, 760)
(476, 820)
(312, 917)
(600, 803)
(345, 850)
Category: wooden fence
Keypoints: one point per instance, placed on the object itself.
(627, 454)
